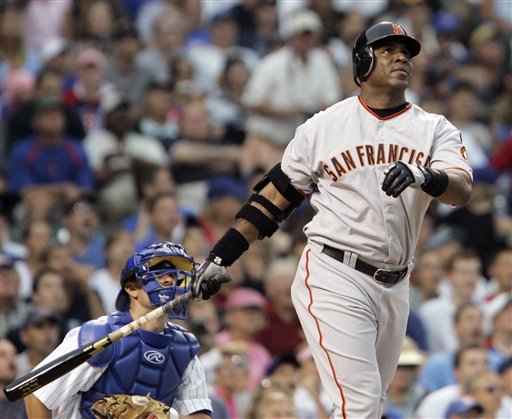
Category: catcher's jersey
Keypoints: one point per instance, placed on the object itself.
(63, 395)
(338, 156)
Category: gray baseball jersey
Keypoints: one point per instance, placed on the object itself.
(355, 325)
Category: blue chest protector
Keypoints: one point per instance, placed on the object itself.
(141, 363)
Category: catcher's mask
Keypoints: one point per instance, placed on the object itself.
(164, 270)
(362, 52)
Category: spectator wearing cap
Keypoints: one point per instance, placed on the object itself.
(486, 389)
(282, 333)
(243, 318)
(48, 168)
(40, 335)
(8, 372)
(122, 70)
(284, 370)
(464, 408)
(12, 309)
(116, 153)
(55, 56)
(90, 86)
(48, 83)
(287, 87)
(225, 195)
(404, 393)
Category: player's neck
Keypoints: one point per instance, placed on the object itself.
(382, 100)
(156, 325)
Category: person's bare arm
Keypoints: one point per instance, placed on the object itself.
(458, 190)
(199, 153)
(195, 416)
(272, 111)
(36, 409)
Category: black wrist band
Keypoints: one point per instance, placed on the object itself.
(230, 247)
(437, 184)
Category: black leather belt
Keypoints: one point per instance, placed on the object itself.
(386, 276)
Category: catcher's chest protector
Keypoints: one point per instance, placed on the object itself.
(142, 363)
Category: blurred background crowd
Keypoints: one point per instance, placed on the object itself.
(126, 122)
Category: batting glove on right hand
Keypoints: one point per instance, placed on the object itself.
(209, 278)
(399, 175)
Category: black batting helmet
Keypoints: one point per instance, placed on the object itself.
(362, 52)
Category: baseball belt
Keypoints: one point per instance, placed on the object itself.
(386, 276)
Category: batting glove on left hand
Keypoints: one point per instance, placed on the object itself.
(399, 175)
(209, 278)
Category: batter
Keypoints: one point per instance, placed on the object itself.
(371, 165)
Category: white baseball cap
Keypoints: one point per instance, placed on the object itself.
(53, 47)
(304, 20)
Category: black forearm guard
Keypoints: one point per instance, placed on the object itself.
(436, 182)
(229, 248)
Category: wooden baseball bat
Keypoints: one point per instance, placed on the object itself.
(38, 378)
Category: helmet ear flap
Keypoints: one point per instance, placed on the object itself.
(363, 64)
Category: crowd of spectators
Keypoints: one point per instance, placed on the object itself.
(125, 122)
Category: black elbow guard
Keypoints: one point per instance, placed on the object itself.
(258, 218)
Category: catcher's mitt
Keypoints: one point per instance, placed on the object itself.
(124, 406)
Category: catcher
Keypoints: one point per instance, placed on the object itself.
(152, 373)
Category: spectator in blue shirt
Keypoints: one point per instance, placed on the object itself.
(48, 169)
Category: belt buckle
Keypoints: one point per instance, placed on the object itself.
(382, 275)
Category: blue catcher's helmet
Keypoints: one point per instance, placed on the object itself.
(152, 263)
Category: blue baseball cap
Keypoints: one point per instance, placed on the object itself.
(226, 186)
(462, 406)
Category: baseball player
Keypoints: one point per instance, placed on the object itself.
(145, 372)
(371, 165)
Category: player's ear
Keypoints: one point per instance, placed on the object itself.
(131, 288)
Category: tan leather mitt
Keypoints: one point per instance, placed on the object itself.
(124, 406)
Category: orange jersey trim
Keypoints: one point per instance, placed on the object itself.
(409, 106)
(306, 280)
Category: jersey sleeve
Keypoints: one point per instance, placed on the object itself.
(448, 150)
(192, 393)
(68, 387)
(296, 161)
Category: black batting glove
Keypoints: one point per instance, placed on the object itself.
(399, 175)
(209, 278)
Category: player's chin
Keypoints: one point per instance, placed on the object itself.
(399, 80)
